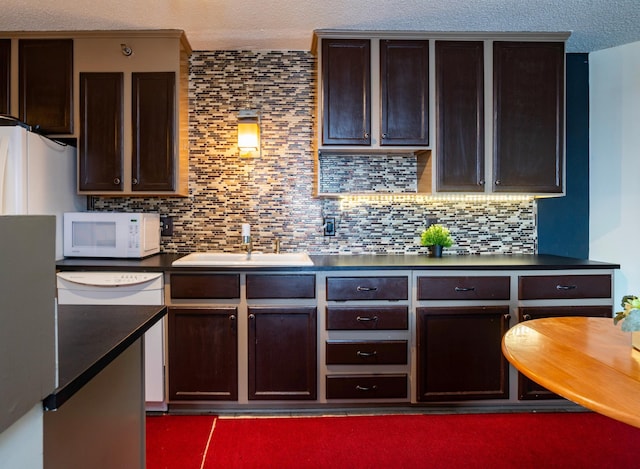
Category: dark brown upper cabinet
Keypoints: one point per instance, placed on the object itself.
(5, 75)
(460, 116)
(404, 92)
(153, 125)
(100, 153)
(46, 84)
(528, 100)
(346, 92)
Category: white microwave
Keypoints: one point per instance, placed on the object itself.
(111, 234)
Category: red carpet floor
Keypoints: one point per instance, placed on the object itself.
(541, 440)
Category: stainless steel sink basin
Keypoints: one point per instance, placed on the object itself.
(232, 259)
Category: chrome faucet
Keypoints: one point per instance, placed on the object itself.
(246, 239)
(247, 244)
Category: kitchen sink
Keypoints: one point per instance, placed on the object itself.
(233, 259)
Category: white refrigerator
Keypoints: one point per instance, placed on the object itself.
(37, 175)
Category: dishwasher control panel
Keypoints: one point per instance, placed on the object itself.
(110, 279)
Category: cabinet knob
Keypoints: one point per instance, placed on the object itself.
(116, 181)
(134, 181)
(252, 316)
(232, 317)
(526, 317)
(481, 182)
(384, 136)
(497, 182)
(507, 317)
(365, 135)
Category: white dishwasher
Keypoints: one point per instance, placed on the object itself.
(125, 288)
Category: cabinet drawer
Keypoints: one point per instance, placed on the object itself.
(374, 352)
(463, 288)
(202, 286)
(367, 387)
(367, 288)
(367, 318)
(281, 286)
(536, 312)
(564, 287)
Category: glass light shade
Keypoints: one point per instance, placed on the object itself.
(248, 136)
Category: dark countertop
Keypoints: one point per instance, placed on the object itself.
(483, 262)
(162, 263)
(155, 263)
(90, 337)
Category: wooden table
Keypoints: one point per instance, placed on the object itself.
(586, 360)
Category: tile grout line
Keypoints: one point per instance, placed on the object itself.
(206, 448)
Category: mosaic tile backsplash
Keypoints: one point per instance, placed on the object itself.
(275, 192)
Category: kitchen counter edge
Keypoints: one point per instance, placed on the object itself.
(90, 337)
(162, 263)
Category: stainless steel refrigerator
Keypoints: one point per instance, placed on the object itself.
(37, 175)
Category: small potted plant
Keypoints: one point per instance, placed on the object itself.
(630, 318)
(436, 237)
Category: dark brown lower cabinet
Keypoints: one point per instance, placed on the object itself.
(282, 353)
(203, 353)
(377, 386)
(528, 389)
(459, 353)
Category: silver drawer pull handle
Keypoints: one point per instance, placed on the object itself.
(365, 388)
(366, 354)
(359, 288)
(463, 289)
(566, 287)
(366, 318)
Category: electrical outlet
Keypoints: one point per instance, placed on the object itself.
(431, 221)
(329, 224)
(166, 226)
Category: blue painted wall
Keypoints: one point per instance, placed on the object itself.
(563, 223)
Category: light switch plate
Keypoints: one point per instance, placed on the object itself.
(329, 224)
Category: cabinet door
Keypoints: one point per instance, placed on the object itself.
(459, 353)
(203, 354)
(46, 84)
(528, 389)
(5, 75)
(404, 82)
(460, 116)
(153, 122)
(346, 92)
(282, 353)
(528, 104)
(101, 147)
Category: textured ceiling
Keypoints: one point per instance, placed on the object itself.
(289, 24)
